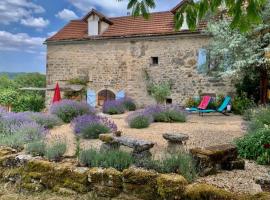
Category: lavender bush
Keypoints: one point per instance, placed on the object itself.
(48, 121)
(156, 113)
(2, 111)
(139, 119)
(113, 107)
(67, 110)
(90, 126)
(20, 134)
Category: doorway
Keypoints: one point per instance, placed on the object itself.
(105, 95)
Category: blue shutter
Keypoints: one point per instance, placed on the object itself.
(120, 95)
(91, 98)
(202, 57)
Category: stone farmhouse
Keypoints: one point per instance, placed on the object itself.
(117, 56)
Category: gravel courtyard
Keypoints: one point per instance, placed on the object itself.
(203, 131)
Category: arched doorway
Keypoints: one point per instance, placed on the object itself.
(105, 95)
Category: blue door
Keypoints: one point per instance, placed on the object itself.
(91, 98)
(120, 95)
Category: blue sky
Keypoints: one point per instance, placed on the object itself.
(25, 24)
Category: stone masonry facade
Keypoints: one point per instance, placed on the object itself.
(121, 64)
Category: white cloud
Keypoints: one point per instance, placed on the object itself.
(51, 33)
(35, 22)
(67, 15)
(15, 10)
(114, 8)
(108, 7)
(20, 42)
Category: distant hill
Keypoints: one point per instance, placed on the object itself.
(12, 75)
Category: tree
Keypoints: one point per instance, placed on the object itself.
(244, 13)
(242, 53)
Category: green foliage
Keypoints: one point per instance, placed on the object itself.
(92, 131)
(23, 100)
(8, 96)
(180, 163)
(15, 141)
(259, 118)
(117, 159)
(139, 122)
(36, 148)
(76, 81)
(191, 102)
(29, 102)
(169, 116)
(160, 91)
(56, 150)
(241, 103)
(129, 105)
(255, 146)
(242, 16)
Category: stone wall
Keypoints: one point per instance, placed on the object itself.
(36, 175)
(121, 65)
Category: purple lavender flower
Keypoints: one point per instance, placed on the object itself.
(29, 131)
(139, 113)
(81, 122)
(46, 120)
(114, 107)
(2, 111)
(67, 110)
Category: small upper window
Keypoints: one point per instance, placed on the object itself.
(154, 60)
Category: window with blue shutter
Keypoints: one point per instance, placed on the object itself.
(91, 98)
(120, 95)
(202, 61)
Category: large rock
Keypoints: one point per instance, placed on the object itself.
(171, 186)
(175, 137)
(140, 183)
(219, 153)
(264, 182)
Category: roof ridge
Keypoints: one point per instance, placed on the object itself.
(159, 12)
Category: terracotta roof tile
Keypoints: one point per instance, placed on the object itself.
(159, 23)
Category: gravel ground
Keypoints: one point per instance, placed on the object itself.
(204, 131)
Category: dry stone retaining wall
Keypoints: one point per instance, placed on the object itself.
(122, 65)
(35, 175)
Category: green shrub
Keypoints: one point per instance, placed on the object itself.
(169, 116)
(181, 163)
(56, 150)
(241, 103)
(92, 131)
(129, 105)
(255, 146)
(117, 159)
(260, 117)
(139, 122)
(15, 141)
(36, 148)
(160, 91)
(192, 102)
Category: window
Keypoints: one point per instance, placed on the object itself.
(168, 101)
(154, 60)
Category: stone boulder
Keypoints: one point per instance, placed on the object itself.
(176, 137)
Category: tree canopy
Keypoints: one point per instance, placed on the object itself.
(244, 13)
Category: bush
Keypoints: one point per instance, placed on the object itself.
(177, 163)
(113, 107)
(117, 159)
(129, 104)
(92, 131)
(260, 117)
(36, 148)
(90, 126)
(139, 120)
(160, 92)
(166, 113)
(56, 150)
(48, 121)
(67, 110)
(18, 135)
(255, 146)
(192, 102)
(241, 103)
